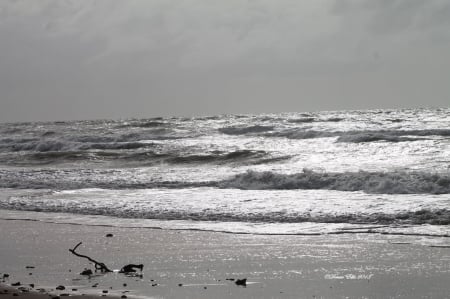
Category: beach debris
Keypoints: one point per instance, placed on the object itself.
(86, 271)
(98, 265)
(130, 268)
(241, 282)
(60, 288)
(109, 235)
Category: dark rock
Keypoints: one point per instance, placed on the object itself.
(241, 282)
(29, 267)
(123, 296)
(74, 290)
(60, 288)
(230, 279)
(31, 285)
(86, 272)
(95, 285)
(109, 235)
(180, 284)
(130, 268)
(6, 275)
(64, 294)
(105, 291)
(16, 284)
(124, 284)
(154, 284)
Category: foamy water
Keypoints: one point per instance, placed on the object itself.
(381, 171)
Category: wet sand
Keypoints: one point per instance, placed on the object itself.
(196, 264)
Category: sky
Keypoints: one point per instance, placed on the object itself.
(97, 59)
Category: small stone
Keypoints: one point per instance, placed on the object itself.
(30, 273)
(86, 272)
(64, 294)
(29, 267)
(31, 285)
(74, 290)
(109, 235)
(124, 284)
(60, 288)
(180, 284)
(241, 282)
(95, 285)
(6, 275)
(205, 288)
(154, 284)
(16, 284)
(123, 296)
(105, 291)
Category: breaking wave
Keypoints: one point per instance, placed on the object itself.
(369, 182)
(149, 211)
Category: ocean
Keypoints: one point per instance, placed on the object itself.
(332, 172)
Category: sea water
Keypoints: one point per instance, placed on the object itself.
(375, 171)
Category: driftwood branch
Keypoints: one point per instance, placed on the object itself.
(98, 265)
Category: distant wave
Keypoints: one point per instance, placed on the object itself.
(138, 158)
(63, 145)
(245, 130)
(302, 120)
(361, 136)
(369, 182)
(143, 124)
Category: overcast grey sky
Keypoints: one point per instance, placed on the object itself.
(72, 59)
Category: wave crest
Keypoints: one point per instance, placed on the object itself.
(369, 182)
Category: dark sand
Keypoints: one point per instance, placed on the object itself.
(195, 264)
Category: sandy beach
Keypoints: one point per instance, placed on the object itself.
(196, 264)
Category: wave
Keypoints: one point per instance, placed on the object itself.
(245, 130)
(369, 182)
(143, 124)
(63, 145)
(242, 157)
(361, 136)
(302, 120)
(419, 217)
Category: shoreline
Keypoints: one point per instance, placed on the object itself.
(199, 264)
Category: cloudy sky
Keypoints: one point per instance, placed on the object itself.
(71, 59)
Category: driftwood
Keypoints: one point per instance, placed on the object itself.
(98, 265)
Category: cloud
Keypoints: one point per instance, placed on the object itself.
(189, 56)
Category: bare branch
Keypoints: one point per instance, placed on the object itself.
(98, 265)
